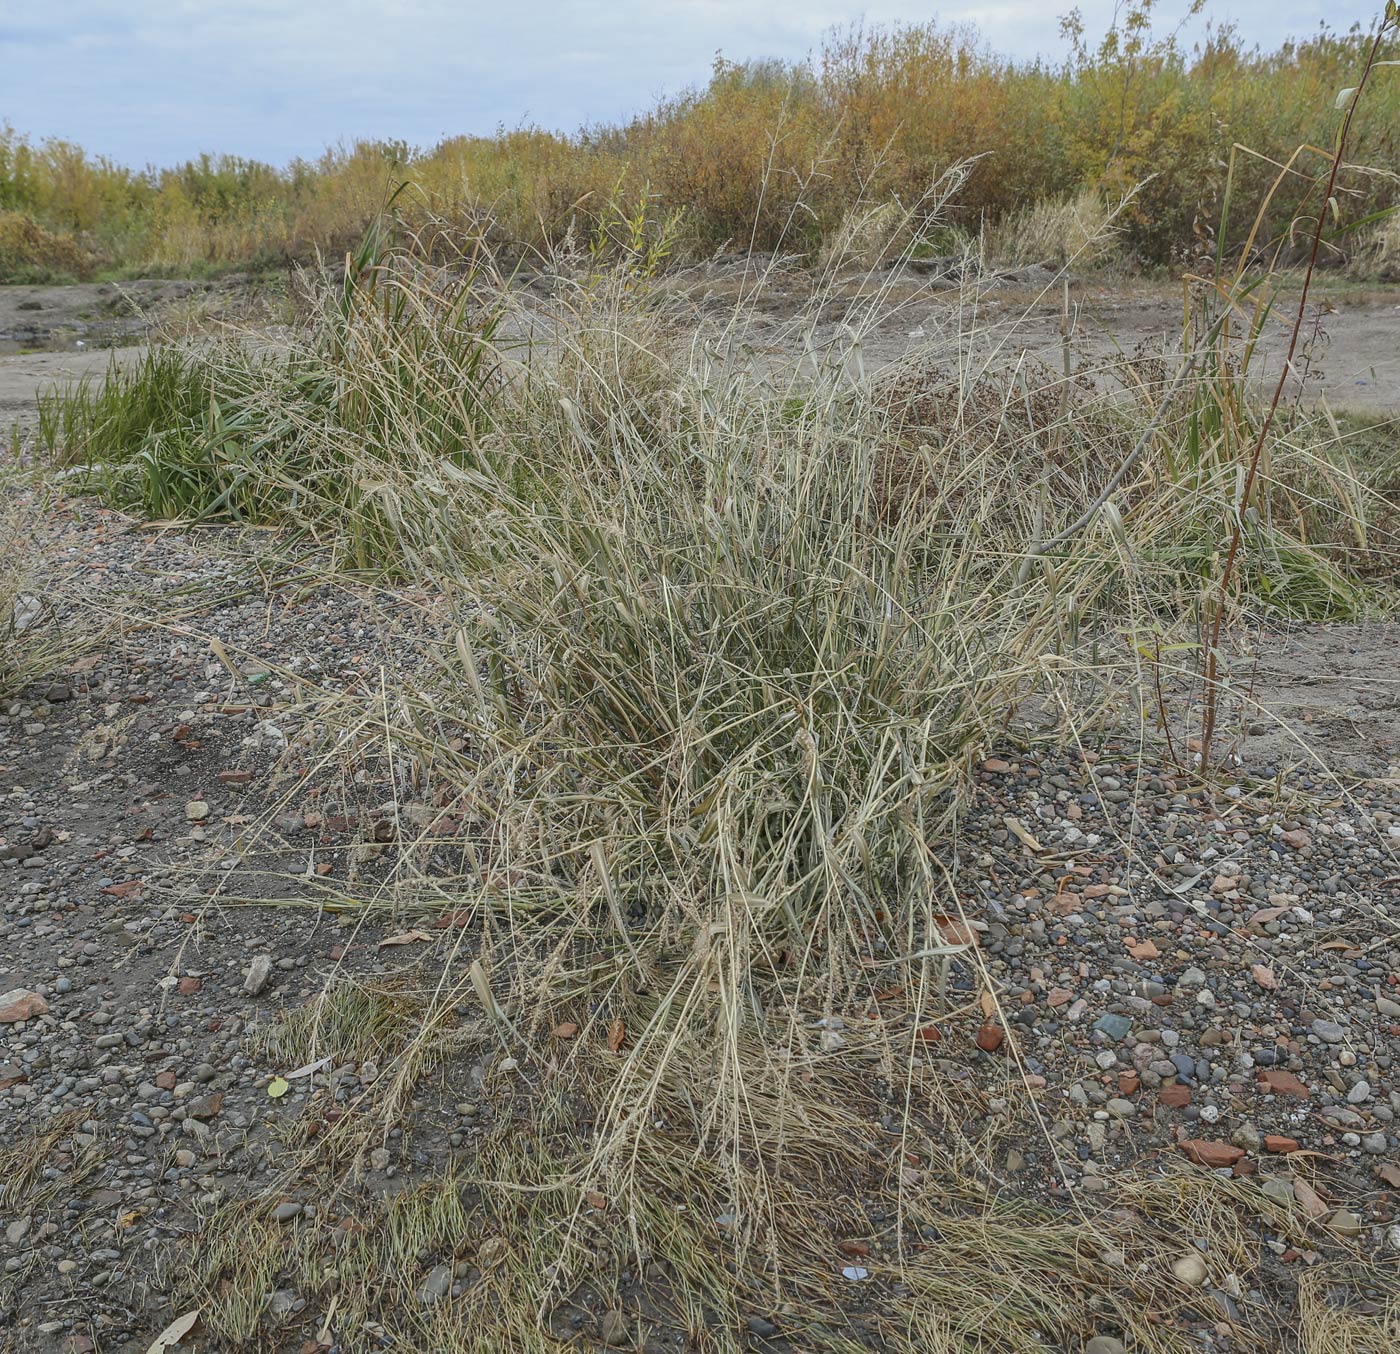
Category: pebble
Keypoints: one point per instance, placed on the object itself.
(437, 1285)
(19, 1003)
(616, 1329)
(256, 978)
(1190, 1269)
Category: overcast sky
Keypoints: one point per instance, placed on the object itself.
(160, 80)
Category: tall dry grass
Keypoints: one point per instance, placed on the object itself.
(721, 642)
(722, 638)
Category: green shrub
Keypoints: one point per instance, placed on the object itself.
(779, 156)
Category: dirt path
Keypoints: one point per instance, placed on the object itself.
(24, 375)
(1353, 354)
(1354, 358)
(1350, 353)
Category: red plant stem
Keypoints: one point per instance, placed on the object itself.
(1211, 671)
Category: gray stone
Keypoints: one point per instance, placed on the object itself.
(616, 1330)
(257, 974)
(1115, 1026)
(1328, 1031)
(437, 1285)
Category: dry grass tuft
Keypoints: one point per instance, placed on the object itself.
(44, 1165)
(45, 622)
(721, 643)
(1079, 230)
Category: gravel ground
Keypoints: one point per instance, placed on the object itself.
(1186, 979)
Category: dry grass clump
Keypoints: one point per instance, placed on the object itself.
(37, 1168)
(394, 367)
(1378, 254)
(44, 620)
(865, 237)
(1077, 230)
(704, 718)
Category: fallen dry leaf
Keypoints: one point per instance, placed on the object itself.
(307, 1069)
(617, 1035)
(568, 1030)
(406, 938)
(595, 1200)
(174, 1333)
(988, 1004)
(955, 931)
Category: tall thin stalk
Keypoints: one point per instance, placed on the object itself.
(1211, 662)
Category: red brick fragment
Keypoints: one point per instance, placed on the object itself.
(1207, 1152)
(990, 1038)
(1279, 1081)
